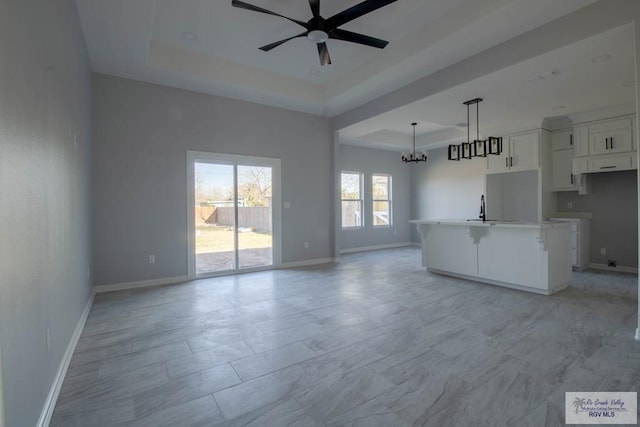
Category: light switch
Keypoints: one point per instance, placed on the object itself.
(287, 205)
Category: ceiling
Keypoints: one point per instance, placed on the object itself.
(145, 40)
(580, 81)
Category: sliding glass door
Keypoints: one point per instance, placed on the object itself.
(234, 221)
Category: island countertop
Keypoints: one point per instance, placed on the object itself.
(530, 256)
(493, 223)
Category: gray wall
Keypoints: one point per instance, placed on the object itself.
(141, 136)
(613, 203)
(368, 162)
(45, 96)
(513, 196)
(447, 189)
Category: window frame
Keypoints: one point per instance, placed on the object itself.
(388, 200)
(360, 200)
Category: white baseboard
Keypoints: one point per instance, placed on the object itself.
(619, 269)
(141, 284)
(305, 263)
(52, 398)
(376, 247)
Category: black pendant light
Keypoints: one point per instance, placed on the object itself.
(413, 157)
(477, 147)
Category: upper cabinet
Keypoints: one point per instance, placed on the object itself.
(562, 153)
(581, 140)
(613, 141)
(604, 137)
(562, 140)
(519, 153)
(604, 146)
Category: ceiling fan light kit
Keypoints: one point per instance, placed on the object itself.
(413, 157)
(478, 147)
(319, 29)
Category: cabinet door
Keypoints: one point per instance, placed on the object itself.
(611, 163)
(614, 141)
(562, 140)
(496, 164)
(562, 173)
(523, 150)
(581, 141)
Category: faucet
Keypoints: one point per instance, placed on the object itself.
(483, 209)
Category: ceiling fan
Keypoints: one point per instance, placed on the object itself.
(319, 29)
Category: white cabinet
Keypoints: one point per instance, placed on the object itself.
(580, 241)
(581, 140)
(604, 146)
(561, 161)
(611, 163)
(562, 140)
(605, 163)
(604, 137)
(520, 153)
(613, 141)
(563, 179)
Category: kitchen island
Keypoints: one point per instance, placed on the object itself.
(534, 257)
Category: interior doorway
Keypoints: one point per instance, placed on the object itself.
(234, 215)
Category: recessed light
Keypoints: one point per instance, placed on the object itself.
(630, 83)
(544, 75)
(601, 58)
(187, 35)
(559, 107)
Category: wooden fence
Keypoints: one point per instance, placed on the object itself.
(258, 218)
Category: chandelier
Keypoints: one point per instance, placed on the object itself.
(477, 147)
(413, 157)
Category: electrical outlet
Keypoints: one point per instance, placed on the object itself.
(287, 205)
(152, 259)
(603, 251)
(306, 245)
(569, 205)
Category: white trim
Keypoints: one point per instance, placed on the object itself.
(305, 263)
(52, 398)
(376, 247)
(141, 284)
(619, 269)
(638, 334)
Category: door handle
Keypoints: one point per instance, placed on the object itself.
(611, 142)
(511, 161)
(607, 167)
(571, 175)
(506, 162)
(606, 143)
(571, 139)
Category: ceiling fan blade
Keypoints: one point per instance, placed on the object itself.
(349, 36)
(354, 12)
(243, 5)
(315, 7)
(270, 46)
(323, 53)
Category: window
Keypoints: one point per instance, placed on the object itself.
(351, 194)
(381, 197)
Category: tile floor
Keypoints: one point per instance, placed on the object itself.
(371, 341)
